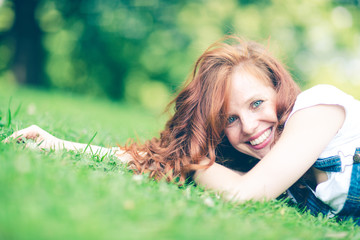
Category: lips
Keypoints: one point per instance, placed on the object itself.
(262, 140)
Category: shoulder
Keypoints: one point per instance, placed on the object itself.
(322, 95)
(322, 92)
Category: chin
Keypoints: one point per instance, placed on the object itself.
(262, 155)
(259, 155)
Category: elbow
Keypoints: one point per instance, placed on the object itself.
(236, 196)
(243, 194)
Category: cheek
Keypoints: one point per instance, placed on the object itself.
(232, 135)
(274, 116)
(271, 114)
(273, 111)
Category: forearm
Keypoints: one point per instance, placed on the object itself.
(87, 148)
(117, 152)
(36, 137)
(222, 180)
(239, 172)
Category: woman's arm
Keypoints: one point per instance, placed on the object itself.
(45, 140)
(305, 136)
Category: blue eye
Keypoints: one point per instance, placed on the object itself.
(231, 119)
(257, 103)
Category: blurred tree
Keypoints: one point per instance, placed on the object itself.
(94, 46)
(28, 60)
(142, 50)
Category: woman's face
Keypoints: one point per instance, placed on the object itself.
(252, 119)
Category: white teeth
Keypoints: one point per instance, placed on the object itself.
(262, 138)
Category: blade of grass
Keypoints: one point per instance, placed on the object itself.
(88, 145)
(1, 122)
(9, 113)
(103, 157)
(17, 110)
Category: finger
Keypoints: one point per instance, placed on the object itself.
(12, 138)
(6, 140)
(26, 133)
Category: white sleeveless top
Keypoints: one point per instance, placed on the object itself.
(334, 191)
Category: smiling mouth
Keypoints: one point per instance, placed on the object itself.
(261, 138)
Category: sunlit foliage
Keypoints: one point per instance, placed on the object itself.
(142, 50)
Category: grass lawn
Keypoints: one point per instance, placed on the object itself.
(69, 195)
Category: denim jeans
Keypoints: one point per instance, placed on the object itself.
(305, 197)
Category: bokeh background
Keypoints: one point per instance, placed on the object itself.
(141, 51)
(101, 72)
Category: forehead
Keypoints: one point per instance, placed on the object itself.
(260, 72)
(245, 88)
(247, 83)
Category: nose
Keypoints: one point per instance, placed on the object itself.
(249, 123)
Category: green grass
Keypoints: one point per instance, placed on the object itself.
(68, 195)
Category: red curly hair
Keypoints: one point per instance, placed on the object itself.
(196, 128)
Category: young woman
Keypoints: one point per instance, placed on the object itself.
(241, 98)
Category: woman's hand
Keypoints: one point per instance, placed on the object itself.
(34, 135)
(40, 137)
